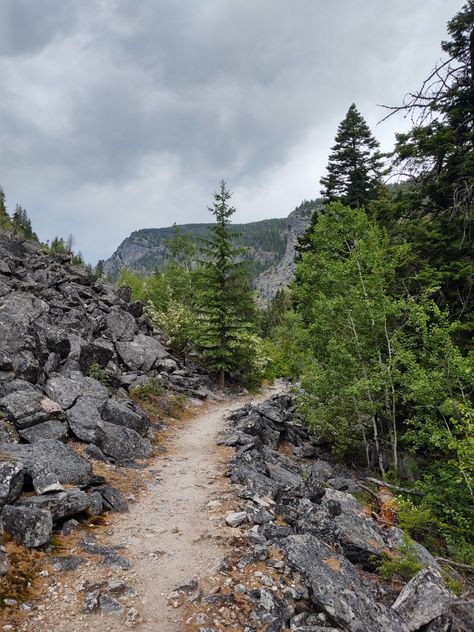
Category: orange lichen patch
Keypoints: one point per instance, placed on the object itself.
(333, 564)
(373, 543)
(286, 448)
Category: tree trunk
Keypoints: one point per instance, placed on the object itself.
(221, 378)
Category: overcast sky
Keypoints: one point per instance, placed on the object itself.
(117, 115)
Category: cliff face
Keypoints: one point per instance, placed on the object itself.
(280, 274)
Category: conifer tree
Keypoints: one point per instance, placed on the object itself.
(224, 305)
(355, 166)
(436, 158)
(5, 221)
(21, 223)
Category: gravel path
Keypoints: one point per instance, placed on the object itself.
(171, 534)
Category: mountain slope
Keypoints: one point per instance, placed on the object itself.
(144, 250)
(270, 242)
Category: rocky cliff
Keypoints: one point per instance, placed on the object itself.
(60, 329)
(281, 273)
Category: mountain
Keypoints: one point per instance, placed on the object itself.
(270, 244)
(280, 274)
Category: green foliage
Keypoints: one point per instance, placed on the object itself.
(157, 402)
(21, 224)
(342, 294)
(355, 165)
(5, 220)
(224, 306)
(401, 565)
(437, 156)
(287, 346)
(100, 374)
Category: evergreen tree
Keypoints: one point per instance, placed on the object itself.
(224, 304)
(354, 169)
(21, 223)
(437, 156)
(5, 221)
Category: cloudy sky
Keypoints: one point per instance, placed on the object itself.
(123, 114)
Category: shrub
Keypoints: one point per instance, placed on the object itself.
(401, 565)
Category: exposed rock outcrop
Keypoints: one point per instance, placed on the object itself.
(310, 544)
(59, 324)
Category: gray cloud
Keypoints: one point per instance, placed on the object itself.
(117, 114)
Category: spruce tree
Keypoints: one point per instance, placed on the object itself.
(5, 221)
(436, 159)
(225, 304)
(355, 166)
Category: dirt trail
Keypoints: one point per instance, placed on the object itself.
(170, 535)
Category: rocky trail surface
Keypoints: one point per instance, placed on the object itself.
(125, 573)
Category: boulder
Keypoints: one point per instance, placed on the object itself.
(423, 599)
(91, 353)
(61, 505)
(51, 429)
(28, 526)
(142, 353)
(28, 408)
(11, 482)
(120, 325)
(125, 413)
(236, 518)
(83, 419)
(66, 390)
(112, 499)
(336, 588)
(8, 433)
(51, 456)
(121, 443)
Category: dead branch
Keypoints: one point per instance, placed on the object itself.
(404, 490)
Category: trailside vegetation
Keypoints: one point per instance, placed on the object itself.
(378, 331)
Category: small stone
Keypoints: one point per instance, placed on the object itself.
(236, 518)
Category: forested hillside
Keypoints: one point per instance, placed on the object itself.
(147, 250)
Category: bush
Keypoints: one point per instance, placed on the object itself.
(401, 565)
(100, 374)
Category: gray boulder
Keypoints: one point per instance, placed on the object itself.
(99, 353)
(61, 505)
(121, 325)
(83, 419)
(28, 408)
(122, 444)
(51, 456)
(126, 414)
(51, 429)
(142, 353)
(66, 390)
(28, 526)
(423, 599)
(112, 499)
(337, 589)
(11, 482)
(8, 433)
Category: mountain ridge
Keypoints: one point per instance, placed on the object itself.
(270, 243)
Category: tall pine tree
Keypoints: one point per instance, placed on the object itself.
(225, 304)
(355, 165)
(436, 158)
